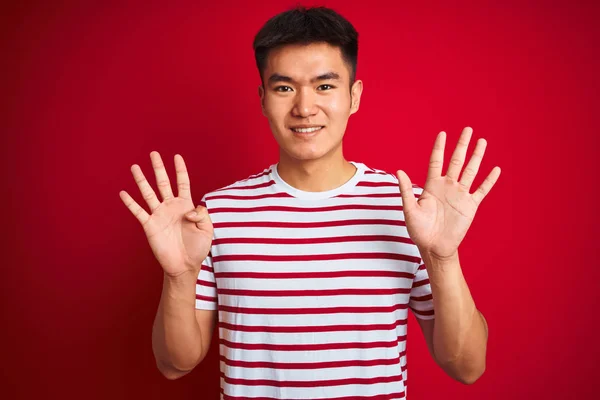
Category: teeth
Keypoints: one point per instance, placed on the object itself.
(306, 130)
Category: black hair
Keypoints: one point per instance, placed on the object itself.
(303, 25)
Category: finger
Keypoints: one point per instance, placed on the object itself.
(134, 207)
(468, 175)
(436, 161)
(458, 157)
(145, 188)
(162, 180)
(409, 202)
(183, 180)
(199, 215)
(486, 186)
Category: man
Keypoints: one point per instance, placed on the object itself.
(310, 266)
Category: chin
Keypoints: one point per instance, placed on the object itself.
(306, 154)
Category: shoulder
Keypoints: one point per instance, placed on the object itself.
(374, 175)
(254, 181)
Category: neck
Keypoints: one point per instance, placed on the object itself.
(320, 175)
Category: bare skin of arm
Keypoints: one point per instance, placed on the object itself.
(457, 337)
(180, 236)
(437, 223)
(181, 335)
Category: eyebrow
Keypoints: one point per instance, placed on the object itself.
(329, 76)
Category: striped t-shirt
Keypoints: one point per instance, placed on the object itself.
(312, 288)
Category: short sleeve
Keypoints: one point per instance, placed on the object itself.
(206, 286)
(421, 300)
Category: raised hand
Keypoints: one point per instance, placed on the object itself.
(440, 219)
(180, 239)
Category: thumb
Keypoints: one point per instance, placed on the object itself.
(409, 201)
(199, 215)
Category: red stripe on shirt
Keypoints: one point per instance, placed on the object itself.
(315, 257)
(312, 383)
(316, 240)
(377, 184)
(305, 209)
(421, 298)
(391, 396)
(304, 293)
(249, 187)
(371, 195)
(425, 312)
(314, 275)
(301, 225)
(373, 172)
(312, 329)
(421, 283)
(206, 298)
(260, 175)
(311, 347)
(307, 311)
(249, 197)
(312, 365)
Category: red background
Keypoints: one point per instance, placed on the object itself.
(90, 88)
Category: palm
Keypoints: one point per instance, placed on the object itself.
(440, 219)
(174, 240)
(177, 243)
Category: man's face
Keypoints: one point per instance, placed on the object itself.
(307, 99)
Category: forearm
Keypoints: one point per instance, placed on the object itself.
(460, 331)
(176, 335)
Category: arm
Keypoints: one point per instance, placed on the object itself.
(437, 224)
(181, 334)
(180, 237)
(457, 337)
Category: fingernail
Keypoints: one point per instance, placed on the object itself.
(191, 214)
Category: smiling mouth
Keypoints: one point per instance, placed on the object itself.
(307, 130)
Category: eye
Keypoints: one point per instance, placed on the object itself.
(325, 87)
(283, 89)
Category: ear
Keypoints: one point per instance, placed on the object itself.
(261, 94)
(355, 93)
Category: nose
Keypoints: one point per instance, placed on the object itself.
(305, 104)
